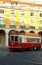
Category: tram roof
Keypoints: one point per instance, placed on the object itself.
(32, 34)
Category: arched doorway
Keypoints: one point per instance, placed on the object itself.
(40, 35)
(12, 32)
(32, 32)
(2, 38)
(22, 32)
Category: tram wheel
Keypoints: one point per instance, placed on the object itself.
(38, 48)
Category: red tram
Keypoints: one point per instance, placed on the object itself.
(23, 40)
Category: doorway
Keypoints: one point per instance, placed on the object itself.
(2, 38)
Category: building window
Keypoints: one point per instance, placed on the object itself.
(40, 27)
(1, 11)
(2, 20)
(12, 11)
(22, 13)
(32, 27)
(32, 14)
(40, 21)
(11, 22)
(40, 14)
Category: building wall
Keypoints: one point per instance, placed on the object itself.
(20, 17)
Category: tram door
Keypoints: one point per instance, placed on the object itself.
(20, 40)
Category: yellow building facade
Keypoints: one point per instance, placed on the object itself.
(19, 16)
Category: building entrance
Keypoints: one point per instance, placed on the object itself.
(2, 38)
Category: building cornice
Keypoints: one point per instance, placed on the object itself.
(20, 2)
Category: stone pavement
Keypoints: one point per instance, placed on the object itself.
(3, 51)
(20, 58)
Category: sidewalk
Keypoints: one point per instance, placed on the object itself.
(4, 51)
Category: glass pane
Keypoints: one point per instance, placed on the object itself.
(32, 14)
(11, 22)
(16, 38)
(31, 40)
(12, 38)
(20, 39)
(38, 40)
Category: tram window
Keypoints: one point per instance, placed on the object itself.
(12, 38)
(25, 40)
(31, 40)
(16, 38)
(20, 39)
(38, 40)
